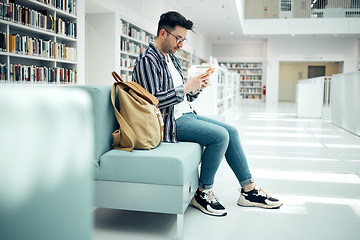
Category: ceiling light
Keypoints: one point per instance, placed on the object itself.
(231, 33)
(293, 35)
(221, 6)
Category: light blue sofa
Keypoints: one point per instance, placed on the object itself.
(167, 175)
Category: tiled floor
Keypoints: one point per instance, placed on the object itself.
(310, 164)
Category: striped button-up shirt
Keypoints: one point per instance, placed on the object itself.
(151, 72)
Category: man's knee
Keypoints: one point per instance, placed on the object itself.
(223, 135)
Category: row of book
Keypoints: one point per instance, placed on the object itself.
(127, 63)
(134, 33)
(182, 54)
(251, 84)
(65, 5)
(126, 77)
(41, 48)
(130, 47)
(26, 73)
(250, 90)
(252, 71)
(243, 65)
(37, 19)
(184, 64)
(251, 96)
(251, 78)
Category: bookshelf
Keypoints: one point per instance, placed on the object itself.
(185, 61)
(38, 41)
(133, 41)
(251, 77)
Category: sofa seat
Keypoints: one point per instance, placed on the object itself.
(168, 164)
(167, 175)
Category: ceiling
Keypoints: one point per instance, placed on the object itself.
(217, 20)
(213, 18)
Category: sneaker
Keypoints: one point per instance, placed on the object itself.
(258, 198)
(207, 202)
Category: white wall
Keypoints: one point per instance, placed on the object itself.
(102, 45)
(307, 49)
(345, 101)
(301, 26)
(254, 50)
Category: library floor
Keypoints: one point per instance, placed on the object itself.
(312, 165)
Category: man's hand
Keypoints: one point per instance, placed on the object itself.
(196, 82)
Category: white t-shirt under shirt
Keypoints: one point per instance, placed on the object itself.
(184, 106)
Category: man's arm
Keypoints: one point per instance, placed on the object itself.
(146, 73)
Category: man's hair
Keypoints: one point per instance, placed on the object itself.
(170, 20)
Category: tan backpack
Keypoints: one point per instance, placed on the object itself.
(140, 120)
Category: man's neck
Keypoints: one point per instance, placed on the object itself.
(157, 44)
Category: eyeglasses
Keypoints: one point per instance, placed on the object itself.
(178, 39)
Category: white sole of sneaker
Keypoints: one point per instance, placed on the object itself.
(198, 206)
(245, 203)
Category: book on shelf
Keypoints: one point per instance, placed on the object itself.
(139, 35)
(126, 77)
(3, 72)
(127, 63)
(130, 47)
(183, 54)
(37, 19)
(26, 45)
(2, 41)
(26, 73)
(64, 5)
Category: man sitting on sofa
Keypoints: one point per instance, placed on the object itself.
(158, 70)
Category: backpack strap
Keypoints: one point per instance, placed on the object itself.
(125, 134)
(117, 77)
(137, 88)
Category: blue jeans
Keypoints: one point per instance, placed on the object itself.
(219, 139)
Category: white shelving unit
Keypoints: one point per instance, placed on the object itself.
(185, 60)
(218, 97)
(250, 78)
(39, 42)
(231, 88)
(133, 40)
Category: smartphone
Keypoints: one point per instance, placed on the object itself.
(209, 72)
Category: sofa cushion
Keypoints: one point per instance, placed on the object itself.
(168, 164)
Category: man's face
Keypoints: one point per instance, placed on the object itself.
(170, 44)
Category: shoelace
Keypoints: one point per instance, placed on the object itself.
(262, 192)
(211, 196)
